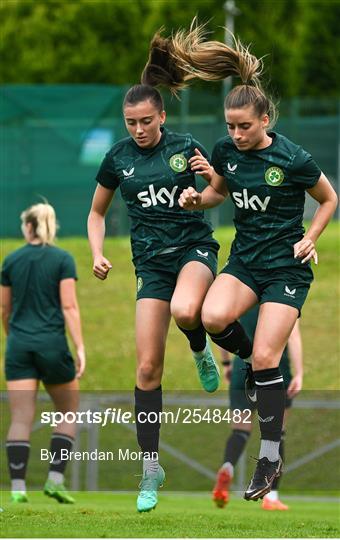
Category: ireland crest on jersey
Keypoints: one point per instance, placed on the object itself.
(178, 163)
(274, 176)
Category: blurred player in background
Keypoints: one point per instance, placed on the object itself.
(174, 254)
(235, 374)
(38, 297)
(267, 177)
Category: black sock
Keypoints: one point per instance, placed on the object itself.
(277, 479)
(270, 402)
(197, 337)
(234, 339)
(17, 455)
(60, 442)
(148, 401)
(235, 445)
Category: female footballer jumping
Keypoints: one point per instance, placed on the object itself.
(174, 254)
(266, 176)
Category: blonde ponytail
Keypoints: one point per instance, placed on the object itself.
(43, 220)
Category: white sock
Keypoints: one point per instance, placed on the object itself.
(229, 467)
(150, 466)
(273, 495)
(18, 485)
(56, 477)
(270, 450)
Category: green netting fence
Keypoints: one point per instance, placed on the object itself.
(53, 139)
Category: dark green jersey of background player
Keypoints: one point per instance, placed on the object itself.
(267, 188)
(34, 272)
(151, 181)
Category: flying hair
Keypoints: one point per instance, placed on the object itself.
(214, 60)
(188, 55)
(163, 67)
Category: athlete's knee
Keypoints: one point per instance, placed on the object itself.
(245, 424)
(148, 372)
(188, 316)
(214, 321)
(264, 358)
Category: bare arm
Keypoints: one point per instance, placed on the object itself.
(325, 195)
(6, 306)
(211, 196)
(295, 354)
(69, 305)
(96, 230)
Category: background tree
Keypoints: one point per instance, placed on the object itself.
(106, 41)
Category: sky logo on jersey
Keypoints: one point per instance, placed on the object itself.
(129, 174)
(290, 293)
(202, 254)
(242, 200)
(274, 176)
(163, 196)
(178, 162)
(231, 168)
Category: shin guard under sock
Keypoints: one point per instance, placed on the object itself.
(197, 337)
(234, 339)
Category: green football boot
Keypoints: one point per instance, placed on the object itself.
(208, 370)
(19, 497)
(58, 492)
(147, 498)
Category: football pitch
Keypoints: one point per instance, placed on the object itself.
(191, 515)
(108, 311)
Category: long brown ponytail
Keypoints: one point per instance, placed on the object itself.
(213, 60)
(187, 55)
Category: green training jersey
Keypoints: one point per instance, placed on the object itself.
(249, 322)
(267, 188)
(34, 272)
(151, 181)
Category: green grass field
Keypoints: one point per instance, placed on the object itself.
(103, 515)
(108, 321)
(108, 318)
